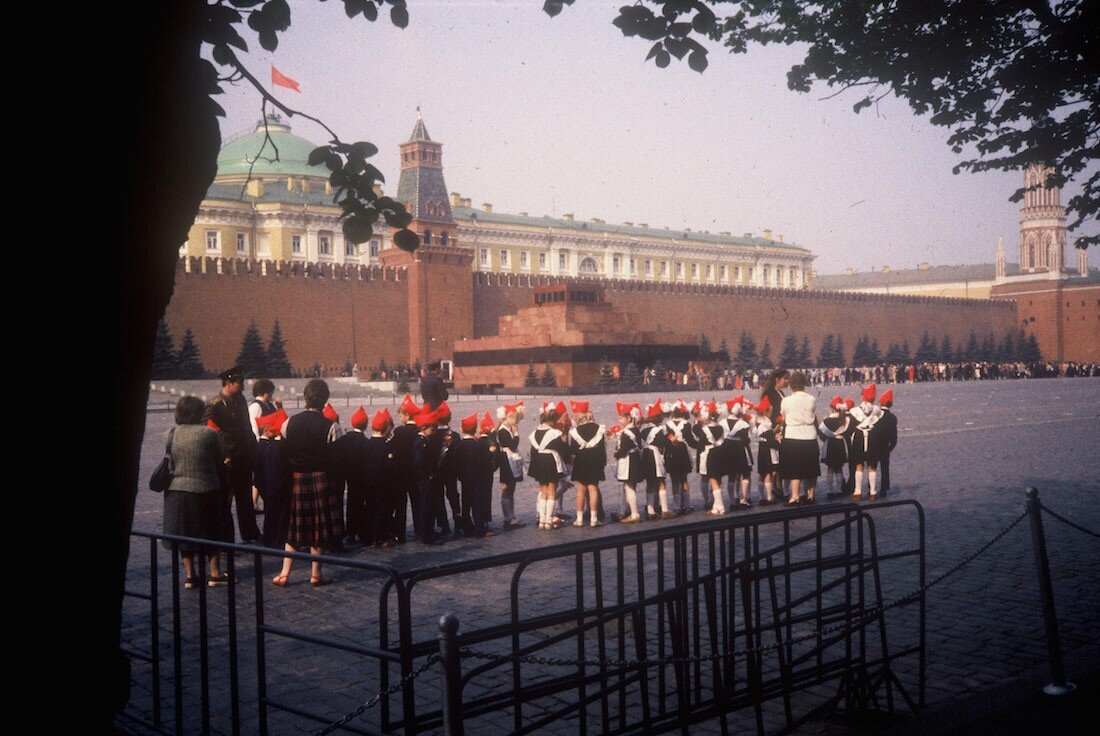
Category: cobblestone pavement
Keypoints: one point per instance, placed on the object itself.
(966, 452)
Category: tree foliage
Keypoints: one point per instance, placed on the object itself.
(1013, 80)
(189, 360)
(531, 378)
(745, 359)
(278, 365)
(253, 355)
(548, 379)
(164, 353)
(788, 354)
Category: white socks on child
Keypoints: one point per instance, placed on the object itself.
(631, 499)
(662, 495)
(858, 492)
(872, 481)
(718, 507)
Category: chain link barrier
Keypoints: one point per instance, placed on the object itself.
(431, 660)
(840, 626)
(1069, 523)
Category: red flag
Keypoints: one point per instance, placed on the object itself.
(277, 77)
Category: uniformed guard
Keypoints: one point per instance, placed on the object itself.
(228, 413)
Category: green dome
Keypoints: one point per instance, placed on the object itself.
(237, 155)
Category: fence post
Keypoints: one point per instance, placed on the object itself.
(1058, 686)
(452, 675)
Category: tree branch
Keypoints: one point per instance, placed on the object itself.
(263, 145)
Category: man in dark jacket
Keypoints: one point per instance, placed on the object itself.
(887, 426)
(404, 475)
(432, 389)
(227, 414)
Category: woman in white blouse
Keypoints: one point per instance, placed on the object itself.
(798, 452)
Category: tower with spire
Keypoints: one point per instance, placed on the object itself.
(422, 189)
(1002, 267)
(1042, 224)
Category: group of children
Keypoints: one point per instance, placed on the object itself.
(421, 463)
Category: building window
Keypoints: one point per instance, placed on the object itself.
(212, 240)
(542, 261)
(615, 265)
(562, 259)
(484, 256)
(524, 263)
(295, 243)
(427, 237)
(736, 274)
(649, 268)
(504, 259)
(633, 267)
(679, 270)
(722, 273)
(375, 246)
(749, 274)
(664, 268)
(324, 245)
(351, 250)
(443, 238)
(695, 271)
(765, 275)
(710, 272)
(242, 243)
(589, 265)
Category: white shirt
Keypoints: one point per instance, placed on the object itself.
(799, 410)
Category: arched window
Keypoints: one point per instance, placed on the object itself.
(427, 237)
(589, 265)
(443, 238)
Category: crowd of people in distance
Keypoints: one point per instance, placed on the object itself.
(324, 489)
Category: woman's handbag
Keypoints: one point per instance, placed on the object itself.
(162, 476)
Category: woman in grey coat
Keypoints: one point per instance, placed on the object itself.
(194, 504)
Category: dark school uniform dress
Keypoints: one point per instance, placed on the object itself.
(654, 442)
(886, 440)
(735, 451)
(834, 456)
(273, 479)
(864, 450)
(590, 453)
(767, 452)
(628, 453)
(507, 443)
(677, 457)
(404, 480)
(379, 466)
(347, 456)
(548, 455)
(315, 518)
(708, 438)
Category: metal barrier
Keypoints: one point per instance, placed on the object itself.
(649, 631)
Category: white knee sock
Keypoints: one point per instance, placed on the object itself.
(769, 490)
(746, 483)
(859, 484)
(872, 480)
(631, 499)
(718, 505)
(540, 506)
(662, 496)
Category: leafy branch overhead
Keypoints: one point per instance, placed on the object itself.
(352, 177)
(1016, 81)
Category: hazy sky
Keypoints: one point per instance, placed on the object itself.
(554, 115)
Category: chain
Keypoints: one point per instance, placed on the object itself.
(1069, 523)
(431, 660)
(870, 613)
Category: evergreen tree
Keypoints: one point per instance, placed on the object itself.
(1030, 352)
(1007, 351)
(859, 354)
(805, 357)
(607, 373)
(874, 355)
(972, 351)
(788, 354)
(746, 353)
(704, 347)
(632, 376)
(893, 354)
(253, 355)
(659, 371)
(839, 355)
(548, 379)
(278, 365)
(989, 348)
(946, 352)
(825, 355)
(532, 377)
(164, 353)
(765, 361)
(905, 355)
(926, 351)
(724, 352)
(188, 360)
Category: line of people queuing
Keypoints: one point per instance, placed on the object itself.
(325, 489)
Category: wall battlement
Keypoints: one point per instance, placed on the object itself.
(287, 269)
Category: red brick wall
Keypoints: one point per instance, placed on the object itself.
(723, 312)
(314, 311)
(1063, 316)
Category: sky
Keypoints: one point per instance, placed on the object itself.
(563, 115)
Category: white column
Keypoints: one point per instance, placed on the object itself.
(310, 246)
(339, 251)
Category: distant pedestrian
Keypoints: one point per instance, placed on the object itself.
(432, 390)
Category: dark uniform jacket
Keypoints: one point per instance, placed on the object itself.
(433, 391)
(230, 413)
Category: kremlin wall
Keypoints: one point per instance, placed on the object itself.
(267, 244)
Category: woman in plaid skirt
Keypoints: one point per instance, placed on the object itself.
(316, 519)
